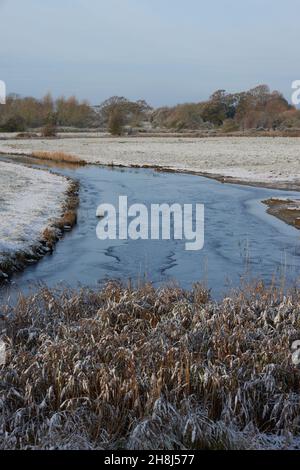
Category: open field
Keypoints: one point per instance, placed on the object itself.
(262, 160)
(34, 207)
(124, 368)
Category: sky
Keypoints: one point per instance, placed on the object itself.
(164, 51)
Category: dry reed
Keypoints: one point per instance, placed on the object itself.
(58, 157)
(150, 369)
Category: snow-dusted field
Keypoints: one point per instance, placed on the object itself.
(29, 200)
(255, 159)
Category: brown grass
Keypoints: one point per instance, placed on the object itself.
(277, 202)
(286, 210)
(150, 369)
(67, 220)
(58, 157)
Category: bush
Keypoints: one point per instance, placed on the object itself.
(49, 131)
(14, 124)
(230, 125)
(50, 128)
(115, 123)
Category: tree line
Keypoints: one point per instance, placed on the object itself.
(258, 108)
(20, 114)
(253, 109)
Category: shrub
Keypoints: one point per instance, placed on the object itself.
(230, 125)
(49, 131)
(14, 124)
(116, 122)
(50, 128)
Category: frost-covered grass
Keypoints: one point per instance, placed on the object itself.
(150, 369)
(30, 201)
(255, 159)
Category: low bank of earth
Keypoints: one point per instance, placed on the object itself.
(36, 206)
(287, 210)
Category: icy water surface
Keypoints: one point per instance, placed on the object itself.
(241, 239)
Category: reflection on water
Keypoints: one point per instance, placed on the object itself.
(241, 240)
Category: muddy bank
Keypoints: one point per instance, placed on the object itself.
(287, 210)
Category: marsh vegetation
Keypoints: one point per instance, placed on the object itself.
(140, 368)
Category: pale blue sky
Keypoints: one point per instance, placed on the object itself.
(165, 51)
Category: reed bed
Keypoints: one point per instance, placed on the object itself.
(58, 157)
(126, 368)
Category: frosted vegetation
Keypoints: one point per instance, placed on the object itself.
(150, 369)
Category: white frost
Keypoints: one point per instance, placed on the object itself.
(29, 200)
(259, 159)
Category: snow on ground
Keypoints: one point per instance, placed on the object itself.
(29, 200)
(256, 159)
